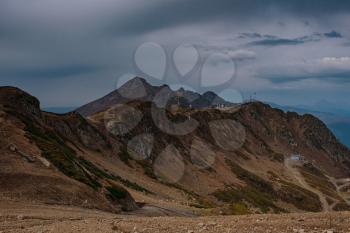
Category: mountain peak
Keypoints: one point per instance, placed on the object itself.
(210, 94)
(137, 80)
(139, 89)
(14, 97)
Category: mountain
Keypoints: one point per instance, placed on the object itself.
(44, 157)
(146, 158)
(338, 121)
(139, 89)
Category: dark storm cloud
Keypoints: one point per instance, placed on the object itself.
(338, 77)
(270, 40)
(333, 34)
(174, 13)
(49, 72)
(56, 39)
(255, 35)
(277, 42)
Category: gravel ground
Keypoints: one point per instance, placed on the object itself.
(40, 219)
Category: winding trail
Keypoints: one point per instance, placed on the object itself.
(290, 166)
(344, 183)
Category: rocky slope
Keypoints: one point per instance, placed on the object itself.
(234, 159)
(240, 159)
(42, 157)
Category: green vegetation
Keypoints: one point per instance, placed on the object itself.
(261, 194)
(341, 206)
(132, 185)
(59, 154)
(147, 168)
(242, 155)
(202, 203)
(116, 193)
(258, 192)
(103, 174)
(240, 208)
(251, 179)
(258, 199)
(124, 155)
(94, 169)
(316, 179)
(274, 156)
(301, 198)
(65, 159)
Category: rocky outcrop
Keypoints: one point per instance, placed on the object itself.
(21, 101)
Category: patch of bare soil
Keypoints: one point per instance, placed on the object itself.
(15, 217)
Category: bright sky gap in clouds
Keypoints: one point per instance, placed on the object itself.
(70, 52)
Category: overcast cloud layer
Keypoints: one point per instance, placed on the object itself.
(70, 52)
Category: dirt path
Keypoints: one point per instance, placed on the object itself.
(343, 183)
(290, 166)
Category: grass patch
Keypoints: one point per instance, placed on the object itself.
(198, 206)
(240, 208)
(59, 154)
(251, 179)
(94, 169)
(132, 185)
(116, 193)
(258, 192)
(124, 155)
(147, 168)
(103, 174)
(299, 197)
(258, 199)
(242, 155)
(318, 180)
(202, 203)
(341, 206)
(261, 194)
(274, 156)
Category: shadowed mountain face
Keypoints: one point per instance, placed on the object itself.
(139, 89)
(337, 121)
(240, 159)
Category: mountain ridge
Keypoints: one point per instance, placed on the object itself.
(234, 160)
(139, 89)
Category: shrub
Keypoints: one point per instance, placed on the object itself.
(299, 197)
(240, 208)
(116, 193)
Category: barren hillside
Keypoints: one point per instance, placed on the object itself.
(240, 159)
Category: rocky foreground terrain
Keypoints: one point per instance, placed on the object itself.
(40, 218)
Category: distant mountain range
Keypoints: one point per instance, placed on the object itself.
(337, 119)
(139, 89)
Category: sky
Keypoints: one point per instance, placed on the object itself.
(68, 53)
